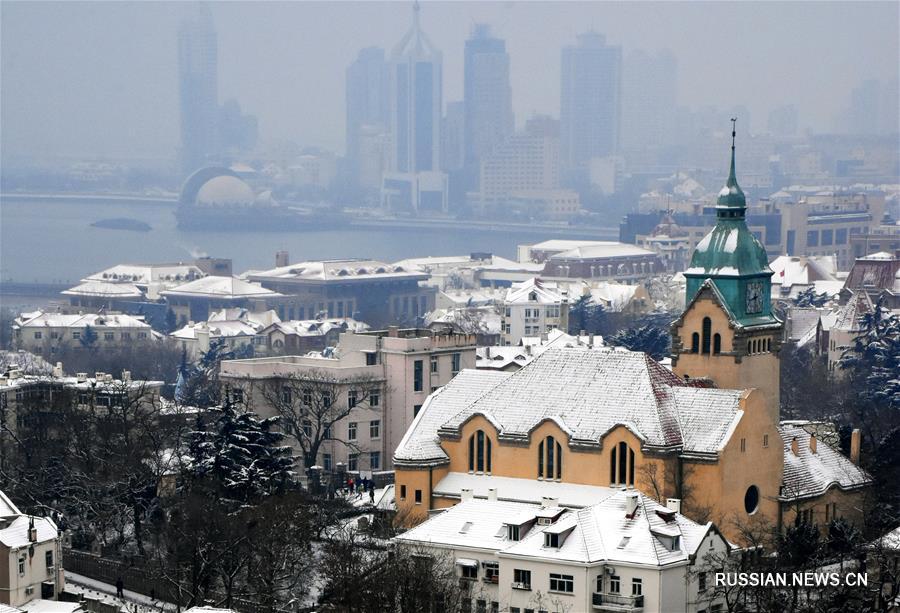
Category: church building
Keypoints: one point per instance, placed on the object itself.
(704, 438)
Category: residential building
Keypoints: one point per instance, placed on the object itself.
(298, 337)
(878, 275)
(616, 418)
(797, 274)
(590, 102)
(524, 162)
(366, 290)
(487, 95)
(31, 562)
(398, 368)
(669, 241)
(196, 300)
(621, 551)
(532, 308)
(48, 333)
(839, 332)
(599, 260)
(238, 329)
(198, 89)
(883, 238)
(27, 400)
(553, 204)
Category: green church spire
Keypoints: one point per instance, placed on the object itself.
(731, 202)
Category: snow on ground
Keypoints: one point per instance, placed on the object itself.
(133, 602)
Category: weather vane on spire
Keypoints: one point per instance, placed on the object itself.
(733, 130)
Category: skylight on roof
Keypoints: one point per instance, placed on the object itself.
(624, 542)
(465, 528)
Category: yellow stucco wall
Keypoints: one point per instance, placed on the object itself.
(758, 370)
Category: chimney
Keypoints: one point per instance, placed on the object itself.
(32, 531)
(548, 502)
(126, 376)
(795, 448)
(81, 377)
(58, 370)
(673, 504)
(591, 340)
(812, 442)
(631, 504)
(492, 493)
(466, 494)
(393, 331)
(487, 352)
(854, 446)
(282, 259)
(99, 375)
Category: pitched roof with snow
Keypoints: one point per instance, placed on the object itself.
(599, 533)
(534, 291)
(104, 289)
(143, 274)
(587, 392)
(14, 531)
(850, 316)
(338, 270)
(229, 288)
(602, 249)
(39, 319)
(812, 474)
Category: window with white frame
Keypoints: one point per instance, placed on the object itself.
(351, 431)
(562, 583)
(374, 460)
(637, 587)
(374, 399)
(491, 572)
(352, 399)
(434, 364)
(353, 462)
(375, 428)
(615, 584)
(522, 579)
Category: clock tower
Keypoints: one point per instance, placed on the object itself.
(727, 332)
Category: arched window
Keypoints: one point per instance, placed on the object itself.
(707, 332)
(695, 343)
(768, 344)
(550, 459)
(717, 343)
(621, 465)
(479, 452)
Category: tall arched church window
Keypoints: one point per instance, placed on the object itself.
(707, 332)
(621, 465)
(695, 343)
(550, 459)
(479, 452)
(717, 343)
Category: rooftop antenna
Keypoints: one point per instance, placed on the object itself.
(733, 131)
(416, 9)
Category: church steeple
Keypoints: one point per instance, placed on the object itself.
(731, 202)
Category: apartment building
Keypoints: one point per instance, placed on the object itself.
(45, 333)
(532, 308)
(382, 378)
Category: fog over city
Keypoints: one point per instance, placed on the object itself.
(100, 79)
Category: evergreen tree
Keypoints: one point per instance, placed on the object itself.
(88, 337)
(240, 456)
(587, 316)
(874, 360)
(650, 339)
(809, 298)
(171, 322)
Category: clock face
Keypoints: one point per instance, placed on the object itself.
(754, 297)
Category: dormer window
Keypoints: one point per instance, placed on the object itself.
(513, 533)
(551, 540)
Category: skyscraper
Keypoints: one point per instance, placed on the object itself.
(488, 95)
(415, 102)
(589, 102)
(198, 89)
(649, 88)
(367, 99)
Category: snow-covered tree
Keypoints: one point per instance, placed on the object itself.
(874, 359)
(650, 339)
(240, 455)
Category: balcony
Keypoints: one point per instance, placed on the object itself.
(617, 602)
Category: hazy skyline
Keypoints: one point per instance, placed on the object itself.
(100, 79)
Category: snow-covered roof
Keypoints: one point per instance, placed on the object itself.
(230, 288)
(104, 289)
(219, 329)
(602, 249)
(600, 533)
(587, 392)
(143, 274)
(891, 540)
(342, 270)
(517, 356)
(39, 319)
(14, 531)
(809, 474)
(794, 270)
(39, 605)
(469, 320)
(849, 317)
(317, 327)
(534, 291)
(7, 507)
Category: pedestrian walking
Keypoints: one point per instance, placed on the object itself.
(120, 588)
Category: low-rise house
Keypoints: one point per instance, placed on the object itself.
(795, 275)
(620, 552)
(46, 333)
(845, 326)
(879, 276)
(239, 329)
(30, 557)
(482, 321)
(820, 484)
(514, 357)
(297, 337)
(532, 308)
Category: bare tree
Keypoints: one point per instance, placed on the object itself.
(310, 404)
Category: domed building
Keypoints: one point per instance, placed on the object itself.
(225, 191)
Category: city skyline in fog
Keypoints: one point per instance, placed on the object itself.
(100, 79)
